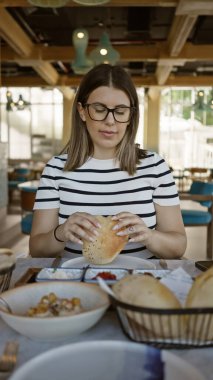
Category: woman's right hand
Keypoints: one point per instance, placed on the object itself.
(79, 226)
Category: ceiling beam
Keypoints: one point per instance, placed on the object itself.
(13, 34)
(40, 58)
(18, 40)
(149, 81)
(162, 73)
(194, 7)
(67, 92)
(178, 35)
(112, 3)
(179, 32)
(128, 53)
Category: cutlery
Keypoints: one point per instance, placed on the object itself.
(56, 262)
(8, 359)
(163, 263)
(104, 286)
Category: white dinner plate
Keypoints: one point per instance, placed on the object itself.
(106, 360)
(122, 262)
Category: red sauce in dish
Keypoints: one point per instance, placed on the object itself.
(105, 276)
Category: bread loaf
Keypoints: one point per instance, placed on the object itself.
(107, 245)
(201, 295)
(147, 291)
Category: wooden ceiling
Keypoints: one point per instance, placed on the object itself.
(161, 42)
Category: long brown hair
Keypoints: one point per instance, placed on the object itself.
(80, 146)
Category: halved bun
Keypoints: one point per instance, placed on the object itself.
(107, 244)
(201, 295)
(147, 291)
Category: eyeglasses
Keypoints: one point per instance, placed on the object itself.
(99, 112)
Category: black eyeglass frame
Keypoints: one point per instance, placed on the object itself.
(112, 110)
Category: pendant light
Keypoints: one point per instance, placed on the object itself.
(81, 64)
(104, 52)
(10, 105)
(91, 2)
(48, 3)
(199, 105)
(20, 105)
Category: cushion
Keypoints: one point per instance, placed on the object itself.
(26, 224)
(196, 217)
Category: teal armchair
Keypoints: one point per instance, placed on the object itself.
(18, 176)
(201, 192)
(27, 203)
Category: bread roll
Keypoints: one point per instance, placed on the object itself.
(201, 295)
(107, 245)
(147, 291)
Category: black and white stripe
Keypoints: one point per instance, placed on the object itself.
(99, 187)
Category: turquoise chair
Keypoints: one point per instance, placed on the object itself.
(18, 176)
(201, 192)
(27, 203)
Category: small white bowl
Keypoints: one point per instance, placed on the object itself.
(91, 273)
(60, 274)
(20, 299)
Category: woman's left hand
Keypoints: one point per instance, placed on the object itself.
(133, 226)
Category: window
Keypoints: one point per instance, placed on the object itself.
(185, 130)
(34, 132)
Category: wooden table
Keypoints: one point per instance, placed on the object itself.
(107, 329)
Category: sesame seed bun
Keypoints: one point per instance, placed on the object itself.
(107, 245)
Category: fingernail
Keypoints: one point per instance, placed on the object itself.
(116, 227)
(121, 233)
(96, 232)
(91, 239)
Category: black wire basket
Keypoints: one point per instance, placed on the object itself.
(166, 328)
(5, 277)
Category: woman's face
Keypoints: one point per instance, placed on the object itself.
(108, 133)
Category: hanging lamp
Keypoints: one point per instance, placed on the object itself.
(10, 105)
(48, 3)
(91, 2)
(81, 64)
(104, 52)
(200, 105)
(21, 104)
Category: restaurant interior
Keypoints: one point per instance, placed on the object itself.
(166, 46)
(46, 47)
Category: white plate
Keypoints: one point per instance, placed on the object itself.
(122, 262)
(106, 360)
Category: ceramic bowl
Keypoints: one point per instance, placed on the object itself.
(20, 299)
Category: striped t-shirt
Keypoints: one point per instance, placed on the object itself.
(99, 187)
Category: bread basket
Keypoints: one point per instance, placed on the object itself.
(7, 264)
(166, 328)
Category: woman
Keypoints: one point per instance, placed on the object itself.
(103, 172)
